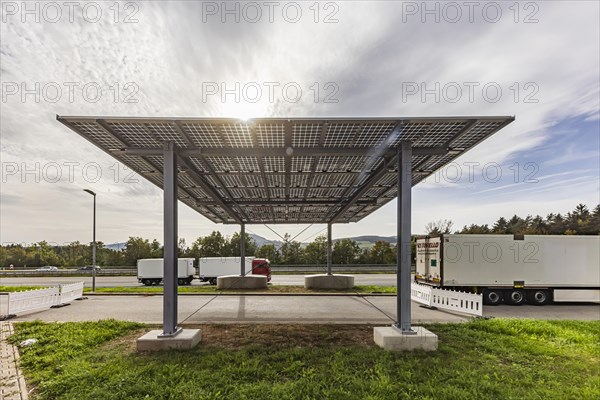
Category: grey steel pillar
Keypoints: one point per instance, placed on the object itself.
(94, 242)
(243, 250)
(329, 252)
(403, 240)
(170, 241)
(94, 250)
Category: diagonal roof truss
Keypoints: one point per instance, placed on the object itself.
(285, 170)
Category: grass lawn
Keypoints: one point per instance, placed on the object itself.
(213, 289)
(482, 359)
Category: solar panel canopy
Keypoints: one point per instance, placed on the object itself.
(285, 170)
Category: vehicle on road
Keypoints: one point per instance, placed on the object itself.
(89, 268)
(210, 268)
(150, 271)
(47, 268)
(514, 269)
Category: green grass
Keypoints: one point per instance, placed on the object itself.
(491, 359)
(213, 289)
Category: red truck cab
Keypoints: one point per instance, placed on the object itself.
(262, 266)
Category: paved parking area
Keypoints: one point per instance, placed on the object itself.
(284, 309)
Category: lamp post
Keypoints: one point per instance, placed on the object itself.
(94, 243)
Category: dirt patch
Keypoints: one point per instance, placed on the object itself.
(285, 335)
(238, 336)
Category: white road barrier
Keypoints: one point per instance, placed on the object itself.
(70, 292)
(32, 300)
(468, 303)
(41, 299)
(421, 293)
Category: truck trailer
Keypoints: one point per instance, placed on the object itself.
(150, 271)
(210, 268)
(514, 269)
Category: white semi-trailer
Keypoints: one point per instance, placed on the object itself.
(514, 269)
(150, 271)
(210, 268)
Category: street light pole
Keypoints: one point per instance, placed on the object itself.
(94, 243)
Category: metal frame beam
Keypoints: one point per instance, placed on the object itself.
(329, 250)
(243, 249)
(170, 242)
(278, 151)
(403, 304)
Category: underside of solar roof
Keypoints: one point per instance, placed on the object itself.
(285, 170)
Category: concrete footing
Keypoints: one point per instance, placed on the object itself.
(185, 340)
(324, 281)
(392, 339)
(242, 282)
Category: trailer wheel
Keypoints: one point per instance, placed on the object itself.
(147, 282)
(213, 281)
(538, 297)
(516, 297)
(181, 282)
(492, 297)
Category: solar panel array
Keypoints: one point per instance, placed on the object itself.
(276, 170)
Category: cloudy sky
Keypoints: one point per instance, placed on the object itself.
(538, 61)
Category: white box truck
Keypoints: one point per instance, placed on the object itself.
(150, 271)
(210, 268)
(514, 269)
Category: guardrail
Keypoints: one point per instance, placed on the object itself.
(42, 299)
(468, 303)
(69, 272)
(337, 268)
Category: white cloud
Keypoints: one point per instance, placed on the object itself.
(369, 54)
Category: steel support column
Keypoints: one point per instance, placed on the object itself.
(243, 250)
(403, 322)
(329, 250)
(170, 241)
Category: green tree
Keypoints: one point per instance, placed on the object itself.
(233, 246)
(382, 253)
(135, 249)
(316, 251)
(46, 255)
(270, 252)
(345, 251)
(213, 245)
(291, 252)
(156, 250)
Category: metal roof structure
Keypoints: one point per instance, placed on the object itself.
(285, 170)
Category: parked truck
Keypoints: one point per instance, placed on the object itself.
(210, 268)
(514, 269)
(150, 271)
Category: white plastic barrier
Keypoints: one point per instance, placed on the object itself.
(468, 303)
(41, 299)
(70, 292)
(420, 293)
(32, 300)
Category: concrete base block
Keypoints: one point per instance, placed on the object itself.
(242, 282)
(185, 340)
(392, 339)
(324, 281)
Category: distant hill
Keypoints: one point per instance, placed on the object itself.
(116, 246)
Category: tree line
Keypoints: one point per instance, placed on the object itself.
(581, 221)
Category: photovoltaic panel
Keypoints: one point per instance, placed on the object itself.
(285, 170)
